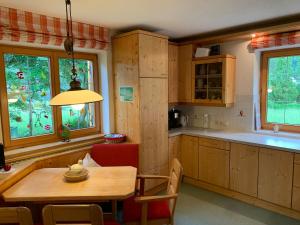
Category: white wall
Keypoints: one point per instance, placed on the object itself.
(229, 118)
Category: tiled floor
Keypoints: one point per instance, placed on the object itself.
(200, 207)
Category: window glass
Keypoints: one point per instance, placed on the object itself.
(283, 90)
(77, 116)
(28, 92)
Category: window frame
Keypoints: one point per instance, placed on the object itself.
(265, 56)
(53, 56)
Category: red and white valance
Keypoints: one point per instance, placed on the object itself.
(21, 26)
(280, 39)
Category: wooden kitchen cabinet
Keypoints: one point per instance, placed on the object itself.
(174, 148)
(189, 156)
(185, 56)
(213, 80)
(275, 176)
(140, 62)
(173, 73)
(244, 168)
(296, 184)
(153, 56)
(214, 166)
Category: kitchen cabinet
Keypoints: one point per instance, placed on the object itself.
(275, 176)
(189, 156)
(244, 168)
(174, 148)
(140, 67)
(214, 166)
(213, 80)
(173, 73)
(296, 184)
(185, 56)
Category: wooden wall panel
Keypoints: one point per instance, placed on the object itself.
(125, 67)
(189, 156)
(173, 73)
(244, 168)
(275, 176)
(154, 123)
(153, 56)
(185, 55)
(214, 166)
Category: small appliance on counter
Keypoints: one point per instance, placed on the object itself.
(174, 118)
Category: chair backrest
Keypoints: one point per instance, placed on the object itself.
(15, 215)
(174, 182)
(53, 214)
(116, 154)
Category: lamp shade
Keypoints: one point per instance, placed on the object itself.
(75, 97)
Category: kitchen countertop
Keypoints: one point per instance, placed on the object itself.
(258, 139)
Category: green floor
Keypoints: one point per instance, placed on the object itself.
(200, 207)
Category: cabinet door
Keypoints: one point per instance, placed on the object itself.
(275, 176)
(154, 123)
(296, 184)
(214, 166)
(153, 56)
(189, 156)
(174, 149)
(244, 168)
(185, 55)
(173, 73)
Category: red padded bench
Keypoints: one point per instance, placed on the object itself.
(116, 154)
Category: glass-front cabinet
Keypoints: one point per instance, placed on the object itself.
(213, 80)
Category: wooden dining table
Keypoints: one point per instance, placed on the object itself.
(49, 185)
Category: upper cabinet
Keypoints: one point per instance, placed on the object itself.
(185, 56)
(153, 55)
(173, 73)
(213, 80)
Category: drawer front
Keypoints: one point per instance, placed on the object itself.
(213, 143)
(297, 158)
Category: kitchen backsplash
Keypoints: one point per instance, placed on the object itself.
(238, 117)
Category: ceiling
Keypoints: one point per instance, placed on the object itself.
(175, 18)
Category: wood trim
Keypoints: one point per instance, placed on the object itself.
(243, 32)
(53, 57)
(134, 32)
(244, 198)
(263, 87)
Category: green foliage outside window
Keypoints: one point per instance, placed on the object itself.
(78, 116)
(28, 91)
(283, 100)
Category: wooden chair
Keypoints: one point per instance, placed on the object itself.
(74, 213)
(15, 215)
(155, 210)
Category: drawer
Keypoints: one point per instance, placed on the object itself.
(297, 158)
(297, 175)
(213, 143)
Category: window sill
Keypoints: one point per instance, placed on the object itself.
(279, 134)
(51, 148)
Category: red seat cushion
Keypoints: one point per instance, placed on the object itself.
(116, 154)
(156, 210)
(111, 223)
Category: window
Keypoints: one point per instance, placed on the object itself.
(29, 80)
(280, 89)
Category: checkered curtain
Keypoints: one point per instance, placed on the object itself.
(21, 26)
(280, 39)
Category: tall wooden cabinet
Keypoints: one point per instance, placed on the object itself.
(173, 73)
(140, 65)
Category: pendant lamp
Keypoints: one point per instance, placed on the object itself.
(75, 95)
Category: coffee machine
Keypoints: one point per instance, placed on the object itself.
(174, 118)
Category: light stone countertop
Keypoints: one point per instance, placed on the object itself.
(257, 139)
